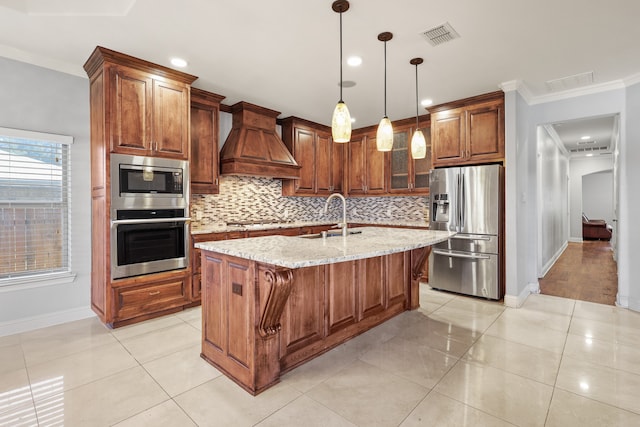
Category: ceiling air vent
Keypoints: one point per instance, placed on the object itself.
(440, 34)
(589, 149)
(570, 82)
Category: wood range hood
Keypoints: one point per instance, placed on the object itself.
(253, 147)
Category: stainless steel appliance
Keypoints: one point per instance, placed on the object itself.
(467, 200)
(149, 215)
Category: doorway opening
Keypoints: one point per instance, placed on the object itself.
(576, 171)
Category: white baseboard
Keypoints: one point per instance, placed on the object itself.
(622, 301)
(575, 239)
(516, 301)
(549, 264)
(42, 321)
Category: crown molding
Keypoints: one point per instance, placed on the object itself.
(531, 99)
(41, 61)
(632, 79)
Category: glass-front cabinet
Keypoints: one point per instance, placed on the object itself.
(408, 175)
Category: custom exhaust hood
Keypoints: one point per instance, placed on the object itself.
(254, 148)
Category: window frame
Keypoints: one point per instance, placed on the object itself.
(27, 281)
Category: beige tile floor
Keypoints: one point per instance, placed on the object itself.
(456, 361)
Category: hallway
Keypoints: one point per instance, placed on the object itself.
(585, 271)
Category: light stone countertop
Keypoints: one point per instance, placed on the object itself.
(297, 251)
(223, 228)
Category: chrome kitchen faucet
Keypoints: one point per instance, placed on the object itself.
(342, 224)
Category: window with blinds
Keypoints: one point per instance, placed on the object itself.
(34, 204)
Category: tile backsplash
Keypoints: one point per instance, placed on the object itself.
(260, 199)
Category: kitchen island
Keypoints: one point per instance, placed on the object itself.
(271, 303)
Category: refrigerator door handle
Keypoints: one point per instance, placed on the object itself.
(460, 255)
(463, 203)
(470, 237)
(458, 201)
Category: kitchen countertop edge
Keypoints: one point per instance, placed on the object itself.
(298, 251)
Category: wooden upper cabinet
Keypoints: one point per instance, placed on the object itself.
(367, 166)
(204, 164)
(321, 159)
(131, 99)
(408, 175)
(171, 119)
(469, 134)
(486, 131)
(143, 107)
(150, 115)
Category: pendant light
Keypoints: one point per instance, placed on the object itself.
(384, 136)
(418, 143)
(341, 120)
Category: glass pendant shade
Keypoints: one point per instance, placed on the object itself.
(341, 123)
(418, 145)
(384, 136)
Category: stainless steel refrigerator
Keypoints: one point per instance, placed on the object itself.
(467, 200)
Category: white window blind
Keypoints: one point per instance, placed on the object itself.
(34, 204)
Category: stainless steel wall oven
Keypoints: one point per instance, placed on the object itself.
(149, 215)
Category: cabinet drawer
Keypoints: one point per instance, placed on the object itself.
(135, 301)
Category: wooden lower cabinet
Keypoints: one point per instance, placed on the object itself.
(262, 320)
(151, 295)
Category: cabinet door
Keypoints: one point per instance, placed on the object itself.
(356, 183)
(305, 154)
(399, 178)
(203, 164)
(422, 167)
(342, 298)
(131, 95)
(448, 137)
(486, 132)
(324, 163)
(171, 119)
(303, 316)
(372, 285)
(337, 167)
(375, 167)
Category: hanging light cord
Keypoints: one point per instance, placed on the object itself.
(385, 79)
(341, 57)
(417, 97)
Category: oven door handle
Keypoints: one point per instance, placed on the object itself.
(116, 222)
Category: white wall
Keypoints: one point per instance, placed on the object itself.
(38, 99)
(553, 206)
(629, 213)
(597, 195)
(580, 167)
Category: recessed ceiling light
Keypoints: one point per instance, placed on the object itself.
(354, 61)
(590, 155)
(178, 62)
(584, 138)
(426, 102)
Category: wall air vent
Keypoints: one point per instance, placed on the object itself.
(570, 82)
(585, 142)
(440, 34)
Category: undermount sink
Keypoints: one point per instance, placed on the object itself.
(328, 234)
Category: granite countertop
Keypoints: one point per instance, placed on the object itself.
(223, 228)
(299, 251)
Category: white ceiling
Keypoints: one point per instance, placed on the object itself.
(283, 54)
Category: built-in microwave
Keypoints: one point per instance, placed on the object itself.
(141, 182)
